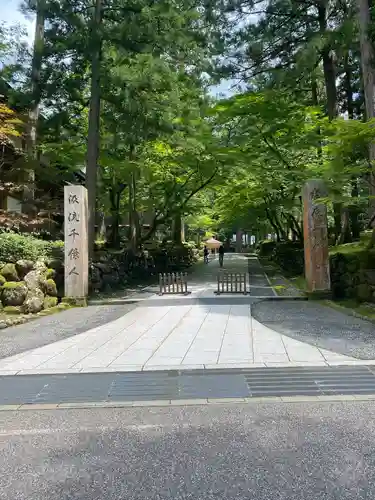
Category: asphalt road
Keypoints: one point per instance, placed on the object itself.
(290, 451)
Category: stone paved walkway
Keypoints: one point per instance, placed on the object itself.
(197, 331)
(52, 328)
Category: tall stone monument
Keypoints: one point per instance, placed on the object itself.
(316, 238)
(76, 242)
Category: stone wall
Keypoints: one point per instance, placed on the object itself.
(28, 287)
(353, 275)
(113, 269)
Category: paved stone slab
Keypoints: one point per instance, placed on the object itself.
(45, 330)
(195, 332)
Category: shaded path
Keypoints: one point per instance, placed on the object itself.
(203, 279)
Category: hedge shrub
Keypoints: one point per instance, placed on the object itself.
(289, 255)
(352, 271)
(266, 247)
(15, 246)
(353, 275)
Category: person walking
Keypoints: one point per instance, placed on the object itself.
(205, 254)
(221, 256)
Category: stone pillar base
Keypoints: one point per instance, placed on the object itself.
(75, 301)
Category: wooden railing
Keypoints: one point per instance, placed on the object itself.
(173, 283)
(231, 283)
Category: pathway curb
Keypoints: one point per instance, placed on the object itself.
(347, 311)
(223, 295)
(281, 298)
(114, 302)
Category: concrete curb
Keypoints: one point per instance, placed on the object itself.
(345, 310)
(281, 298)
(114, 302)
(206, 368)
(250, 297)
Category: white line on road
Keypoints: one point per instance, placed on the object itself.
(96, 429)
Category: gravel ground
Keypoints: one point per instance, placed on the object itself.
(320, 326)
(286, 287)
(285, 451)
(48, 329)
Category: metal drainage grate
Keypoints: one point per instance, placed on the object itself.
(187, 384)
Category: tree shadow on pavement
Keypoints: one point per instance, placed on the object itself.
(320, 326)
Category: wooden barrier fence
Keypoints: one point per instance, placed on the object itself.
(231, 283)
(173, 283)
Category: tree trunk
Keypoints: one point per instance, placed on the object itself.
(367, 60)
(115, 223)
(115, 199)
(276, 224)
(314, 92)
(296, 227)
(93, 137)
(353, 208)
(183, 230)
(345, 234)
(354, 212)
(348, 87)
(328, 64)
(331, 93)
(32, 125)
(315, 101)
(238, 240)
(102, 230)
(177, 229)
(273, 225)
(134, 235)
(330, 83)
(337, 220)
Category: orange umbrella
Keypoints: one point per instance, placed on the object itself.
(213, 244)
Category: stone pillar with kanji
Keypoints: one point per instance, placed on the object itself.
(76, 242)
(315, 230)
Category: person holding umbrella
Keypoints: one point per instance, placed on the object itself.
(221, 255)
(205, 253)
